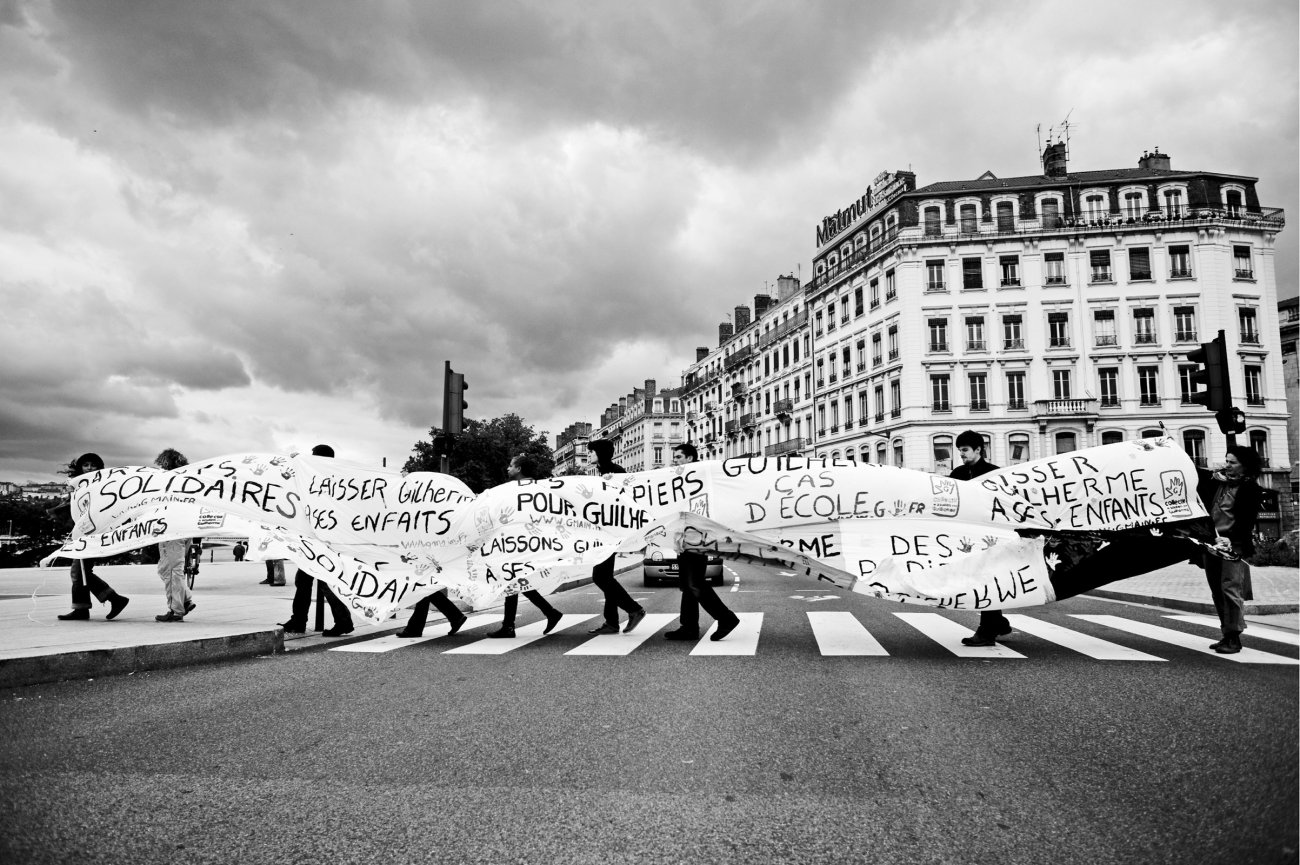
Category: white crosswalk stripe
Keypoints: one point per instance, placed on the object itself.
(624, 644)
(841, 635)
(1263, 633)
(948, 634)
(391, 643)
(742, 641)
(1085, 644)
(523, 636)
(1195, 642)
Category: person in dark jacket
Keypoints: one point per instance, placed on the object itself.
(524, 467)
(84, 581)
(1232, 497)
(696, 590)
(970, 446)
(616, 597)
(301, 604)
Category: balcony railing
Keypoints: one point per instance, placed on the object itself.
(1064, 407)
(893, 354)
(783, 407)
(1181, 273)
(785, 447)
(749, 420)
(1013, 344)
(1243, 274)
(1145, 339)
(1107, 339)
(1059, 342)
(1185, 336)
(979, 405)
(1009, 281)
(739, 390)
(737, 358)
(976, 345)
(1015, 404)
(1249, 338)
(731, 427)
(1055, 279)
(785, 328)
(1101, 274)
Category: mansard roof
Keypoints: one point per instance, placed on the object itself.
(987, 183)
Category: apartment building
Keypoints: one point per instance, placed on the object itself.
(571, 457)
(644, 425)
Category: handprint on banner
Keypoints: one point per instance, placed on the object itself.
(900, 507)
(1176, 488)
(585, 491)
(989, 542)
(965, 545)
(1052, 560)
(482, 522)
(505, 514)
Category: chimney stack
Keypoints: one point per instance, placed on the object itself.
(701, 352)
(742, 318)
(1054, 160)
(1155, 160)
(725, 332)
(650, 388)
(762, 303)
(786, 286)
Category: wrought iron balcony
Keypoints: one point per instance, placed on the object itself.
(783, 407)
(749, 421)
(786, 447)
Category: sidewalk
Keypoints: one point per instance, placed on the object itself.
(237, 617)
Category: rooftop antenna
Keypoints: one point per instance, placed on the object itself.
(1058, 134)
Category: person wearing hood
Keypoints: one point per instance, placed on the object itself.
(84, 581)
(1232, 497)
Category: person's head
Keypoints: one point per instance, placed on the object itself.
(603, 449)
(322, 451)
(970, 445)
(684, 453)
(1241, 462)
(523, 467)
(87, 463)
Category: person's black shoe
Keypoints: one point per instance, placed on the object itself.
(552, 619)
(633, 619)
(503, 633)
(1004, 629)
(189, 607)
(169, 616)
(682, 634)
(1214, 646)
(292, 627)
(267, 582)
(725, 628)
(1231, 645)
(337, 631)
(116, 604)
(978, 639)
(456, 623)
(75, 616)
(605, 628)
(407, 634)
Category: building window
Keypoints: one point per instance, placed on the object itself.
(1061, 383)
(846, 363)
(875, 293)
(934, 275)
(830, 316)
(1112, 437)
(1095, 207)
(1149, 385)
(895, 398)
(882, 454)
(1180, 262)
(972, 273)
(968, 219)
(975, 333)
(1099, 261)
(1173, 202)
(1017, 448)
(819, 329)
(875, 349)
(857, 301)
(1010, 269)
(1006, 216)
(1185, 323)
(1066, 442)
(1011, 334)
(1058, 328)
(864, 410)
(932, 222)
(898, 453)
(1186, 387)
(1241, 266)
(891, 288)
(1249, 327)
(862, 355)
(1103, 323)
(939, 393)
(1233, 203)
(1259, 443)
(848, 412)
(1108, 381)
(943, 454)
(880, 404)
(1254, 392)
(1133, 204)
(1194, 444)
(1144, 326)
(1054, 268)
(659, 455)
(1051, 213)
(1015, 390)
(979, 392)
(1139, 265)
(938, 334)
(893, 342)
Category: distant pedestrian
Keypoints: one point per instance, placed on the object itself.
(84, 581)
(524, 466)
(616, 597)
(970, 447)
(1232, 497)
(693, 581)
(173, 556)
(302, 582)
(239, 551)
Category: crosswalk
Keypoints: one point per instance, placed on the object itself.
(843, 634)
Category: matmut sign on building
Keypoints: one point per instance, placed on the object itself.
(885, 188)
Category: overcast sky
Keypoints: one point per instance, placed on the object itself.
(255, 226)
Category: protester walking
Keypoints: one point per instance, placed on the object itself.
(1232, 496)
(697, 592)
(970, 447)
(302, 582)
(525, 467)
(84, 581)
(602, 575)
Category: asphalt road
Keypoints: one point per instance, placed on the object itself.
(785, 755)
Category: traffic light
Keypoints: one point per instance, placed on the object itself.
(1213, 373)
(1232, 421)
(453, 401)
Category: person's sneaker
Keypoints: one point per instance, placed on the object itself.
(1219, 645)
(189, 607)
(978, 639)
(682, 634)
(267, 582)
(725, 628)
(633, 619)
(75, 616)
(292, 627)
(552, 619)
(1231, 645)
(116, 604)
(605, 628)
(337, 631)
(456, 623)
(503, 633)
(408, 634)
(169, 616)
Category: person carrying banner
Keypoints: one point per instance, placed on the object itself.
(616, 597)
(172, 556)
(302, 581)
(1231, 495)
(970, 447)
(84, 581)
(696, 590)
(524, 467)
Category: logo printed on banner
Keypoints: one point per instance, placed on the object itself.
(946, 497)
(700, 505)
(1174, 485)
(210, 519)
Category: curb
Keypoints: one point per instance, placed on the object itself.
(16, 672)
(1252, 608)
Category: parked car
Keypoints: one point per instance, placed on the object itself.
(661, 568)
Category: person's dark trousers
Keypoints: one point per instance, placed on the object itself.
(302, 602)
(420, 612)
(1226, 579)
(616, 597)
(85, 583)
(993, 623)
(511, 607)
(696, 592)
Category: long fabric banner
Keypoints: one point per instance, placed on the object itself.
(1017, 537)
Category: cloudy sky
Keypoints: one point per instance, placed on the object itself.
(235, 226)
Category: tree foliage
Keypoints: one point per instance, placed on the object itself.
(479, 456)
